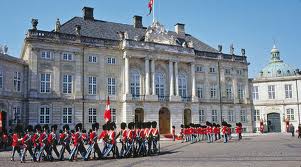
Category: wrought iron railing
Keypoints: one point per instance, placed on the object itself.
(138, 97)
(186, 99)
(163, 98)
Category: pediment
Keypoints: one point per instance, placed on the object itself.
(157, 33)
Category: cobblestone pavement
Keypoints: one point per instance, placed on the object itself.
(268, 150)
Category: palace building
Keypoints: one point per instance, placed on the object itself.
(276, 92)
(65, 76)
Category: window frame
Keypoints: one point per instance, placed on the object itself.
(113, 115)
(288, 91)
(44, 84)
(255, 92)
(111, 60)
(92, 59)
(46, 54)
(92, 115)
(214, 115)
(290, 114)
(213, 91)
(17, 81)
(68, 84)
(271, 92)
(111, 86)
(92, 85)
(66, 56)
(1, 79)
(231, 117)
(68, 116)
(44, 115)
(17, 115)
(256, 115)
(243, 116)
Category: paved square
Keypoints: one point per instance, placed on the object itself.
(267, 150)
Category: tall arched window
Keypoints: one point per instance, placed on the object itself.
(160, 85)
(182, 86)
(135, 83)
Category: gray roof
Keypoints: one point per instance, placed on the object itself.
(109, 30)
(7, 57)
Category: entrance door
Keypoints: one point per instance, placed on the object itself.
(164, 121)
(274, 124)
(139, 115)
(187, 116)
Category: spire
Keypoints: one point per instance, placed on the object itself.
(275, 54)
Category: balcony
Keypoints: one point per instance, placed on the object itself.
(138, 97)
(163, 98)
(186, 99)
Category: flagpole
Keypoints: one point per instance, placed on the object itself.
(153, 11)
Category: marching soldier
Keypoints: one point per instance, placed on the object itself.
(123, 139)
(27, 144)
(16, 142)
(156, 136)
(52, 141)
(238, 130)
(44, 145)
(35, 140)
(182, 133)
(224, 131)
(65, 139)
(93, 145)
(78, 145)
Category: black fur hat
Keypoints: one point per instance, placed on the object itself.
(18, 129)
(123, 125)
(104, 127)
(154, 124)
(37, 127)
(214, 124)
(218, 125)
(182, 126)
(208, 123)
(78, 127)
(54, 127)
(66, 127)
(45, 127)
(113, 125)
(29, 128)
(224, 123)
(61, 131)
(95, 126)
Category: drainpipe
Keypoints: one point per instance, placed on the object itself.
(83, 86)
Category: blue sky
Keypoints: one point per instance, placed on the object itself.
(249, 24)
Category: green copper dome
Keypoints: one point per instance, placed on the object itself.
(276, 67)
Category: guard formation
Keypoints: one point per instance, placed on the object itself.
(210, 132)
(132, 140)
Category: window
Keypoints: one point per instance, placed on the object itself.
(231, 116)
(92, 59)
(45, 83)
(200, 91)
(202, 116)
(243, 116)
(213, 92)
(16, 115)
(239, 72)
(271, 91)
(256, 115)
(111, 86)
(229, 92)
(227, 71)
(240, 89)
(199, 69)
(160, 85)
(113, 115)
(135, 84)
(17, 81)
(290, 114)
(46, 55)
(1, 80)
(214, 115)
(67, 56)
(67, 84)
(288, 91)
(92, 86)
(92, 115)
(212, 70)
(111, 60)
(182, 86)
(44, 115)
(67, 115)
(255, 93)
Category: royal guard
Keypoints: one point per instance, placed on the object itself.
(65, 139)
(156, 136)
(35, 140)
(287, 123)
(52, 140)
(224, 131)
(93, 145)
(218, 130)
(16, 142)
(238, 130)
(44, 145)
(131, 140)
(78, 145)
(182, 133)
(229, 131)
(123, 138)
(27, 144)
(209, 131)
(261, 128)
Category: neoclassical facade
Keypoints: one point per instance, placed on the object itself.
(276, 92)
(148, 73)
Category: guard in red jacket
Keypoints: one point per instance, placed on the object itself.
(35, 140)
(27, 144)
(93, 145)
(65, 139)
(123, 138)
(224, 131)
(238, 130)
(111, 142)
(52, 140)
(16, 142)
(78, 145)
(44, 144)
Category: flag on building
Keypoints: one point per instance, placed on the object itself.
(150, 6)
(107, 114)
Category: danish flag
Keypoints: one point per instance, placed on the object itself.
(150, 6)
(107, 114)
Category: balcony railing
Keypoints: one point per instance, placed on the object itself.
(138, 97)
(186, 99)
(163, 98)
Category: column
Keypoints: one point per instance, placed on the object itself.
(193, 93)
(235, 95)
(171, 88)
(153, 77)
(177, 79)
(126, 75)
(147, 86)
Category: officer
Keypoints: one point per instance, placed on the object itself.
(27, 144)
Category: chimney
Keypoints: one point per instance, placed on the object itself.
(88, 13)
(180, 29)
(137, 21)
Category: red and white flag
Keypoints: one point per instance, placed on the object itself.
(107, 114)
(150, 6)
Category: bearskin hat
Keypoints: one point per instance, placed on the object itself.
(37, 127)
(182, 126)
(78, 127)
(154, 124)
(123, 125)
(95, 126)
(60, 131)
(104, 127)
(218, 125)
(84, 131)
(29, 128)
(229, 125)
(54, 127)
(224, 123)
(208, 123)
(214, 124)
(66, 127)
(113, 125)
(46, 127)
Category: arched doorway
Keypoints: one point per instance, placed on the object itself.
(139, 115)
(3, 115)
(187, 116)
(164, 121)
(274, 123)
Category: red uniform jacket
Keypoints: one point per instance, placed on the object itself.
(43, 138)
(76, 139)
(224, 130)
(103, 134)
(91, 137)
(142, 134)
(112, 137)
(209, 130)
(124, 135)
(15, 141)
(51, 138)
